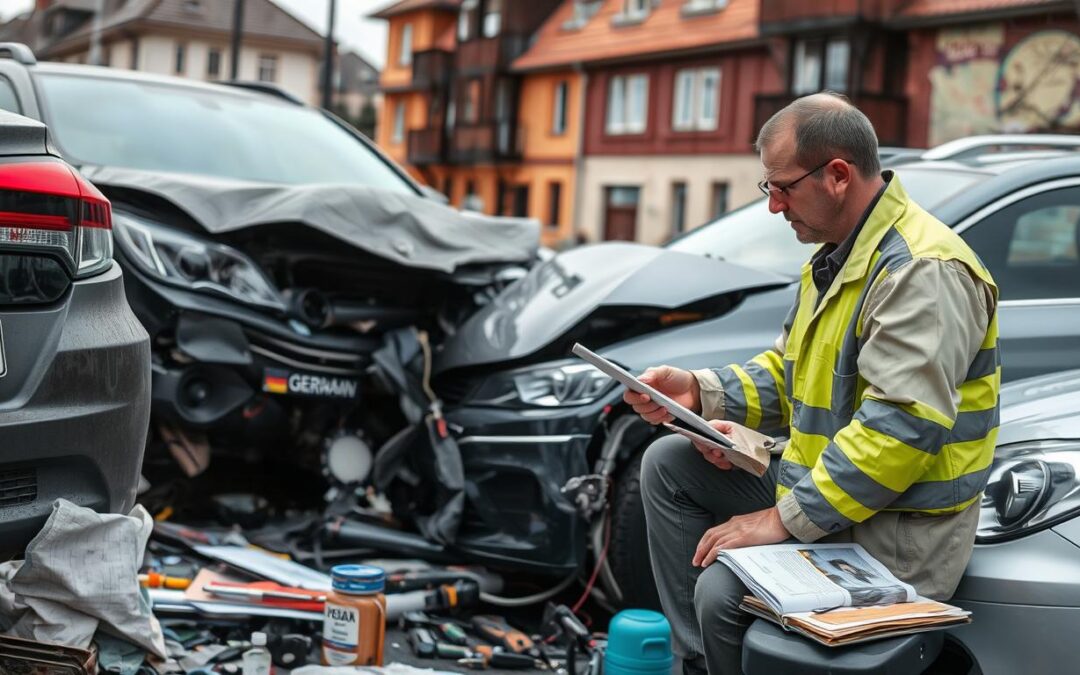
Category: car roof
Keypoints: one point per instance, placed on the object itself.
(105, 72)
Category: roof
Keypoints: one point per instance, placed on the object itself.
(666, 29)
(262, 18)
(933, 11)
(403, 6)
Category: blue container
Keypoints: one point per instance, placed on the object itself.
(639, 643)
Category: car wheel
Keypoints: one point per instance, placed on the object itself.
(628, 552)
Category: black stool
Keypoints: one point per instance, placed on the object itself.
(769, 649)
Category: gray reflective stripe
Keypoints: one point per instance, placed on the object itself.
(941, 494)
(854, 481)
(895, 252)
(973, 425)
(768, 396)
(894, 422)
(842, 397)
(789, 378)
(819, 421)
(791, 473)
(817, 508)
(734, 395)
(985, 363)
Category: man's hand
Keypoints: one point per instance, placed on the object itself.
(680, 385)
(752, 529)
(713, 456)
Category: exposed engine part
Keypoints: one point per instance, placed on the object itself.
(315, 309)
(347, 458)
(587, 492)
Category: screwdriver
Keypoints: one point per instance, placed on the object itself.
(487, 657)
(158, 580)
(497, 631)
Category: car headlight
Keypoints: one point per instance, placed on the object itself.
(548, 386)
(1032, 486)
(182, 259)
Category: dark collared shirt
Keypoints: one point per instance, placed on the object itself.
(830, 258)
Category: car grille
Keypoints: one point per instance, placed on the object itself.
(18, 486)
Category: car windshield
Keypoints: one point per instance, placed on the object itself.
(232, 134)
(754, 237)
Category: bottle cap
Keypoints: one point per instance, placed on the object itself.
(359, 579)
(258, 639)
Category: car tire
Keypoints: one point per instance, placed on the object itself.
(628, 552)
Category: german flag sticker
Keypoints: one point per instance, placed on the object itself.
(276, 381)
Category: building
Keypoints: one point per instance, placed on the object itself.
(356, 95)
(189, 38)
(635, 119)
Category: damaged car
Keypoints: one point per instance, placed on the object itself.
(268, 248)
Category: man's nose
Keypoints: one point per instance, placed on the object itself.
(776, 204)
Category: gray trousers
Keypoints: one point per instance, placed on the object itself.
(684, 495)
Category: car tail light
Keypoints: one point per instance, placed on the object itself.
(46, 208)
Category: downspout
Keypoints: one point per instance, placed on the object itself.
(579, 153)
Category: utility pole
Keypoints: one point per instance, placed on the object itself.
(328, 61)
(237, 33)
(95, 35)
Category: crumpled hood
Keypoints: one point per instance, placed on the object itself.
(1041, 407)
(407, 229)
(557, 294)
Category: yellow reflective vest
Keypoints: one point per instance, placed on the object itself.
(852, 454)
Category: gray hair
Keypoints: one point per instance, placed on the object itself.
(826, 127)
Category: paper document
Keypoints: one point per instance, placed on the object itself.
(750, 453)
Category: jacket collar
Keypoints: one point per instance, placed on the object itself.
(890, 207)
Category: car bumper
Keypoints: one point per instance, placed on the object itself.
(74, 407)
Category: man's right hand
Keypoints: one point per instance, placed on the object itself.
(680, 385)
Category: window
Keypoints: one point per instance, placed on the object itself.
(620, 217)
(471, 112)
(267, 67)
(1031, 246)
(678, 207)
(719, 199)
(405, 48)
(213, 63)
(627, 104)
(558, 115)
(583, 11)
(554, 202)
(464, 25)
(692, 6)
(697, 100)
(636, 9)
(806, 76)
(493, 18)
(180, 57)
(398, 134)
(836, 64)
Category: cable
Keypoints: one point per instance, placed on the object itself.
(528, 599)
(599, 562)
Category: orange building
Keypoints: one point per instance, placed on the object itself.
(459, 119)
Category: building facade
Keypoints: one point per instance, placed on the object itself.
(187, 38)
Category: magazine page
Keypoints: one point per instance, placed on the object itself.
(815, 577)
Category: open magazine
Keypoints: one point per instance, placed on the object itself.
(746, 449)
(833, 593)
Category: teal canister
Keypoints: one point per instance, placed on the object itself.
(639, 643)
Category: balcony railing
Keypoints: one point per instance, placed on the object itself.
(887, 113)
(779, 16)
(427, 146)
(431, 68)
(488, 142)
(490, 53)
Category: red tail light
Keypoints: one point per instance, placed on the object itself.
(48, 208)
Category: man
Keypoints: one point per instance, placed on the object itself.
(886, 376)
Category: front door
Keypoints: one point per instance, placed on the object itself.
(620, 213)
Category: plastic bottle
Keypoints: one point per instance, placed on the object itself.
(354, 620)
(257, 659)
(639, 643)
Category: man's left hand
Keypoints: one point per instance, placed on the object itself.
(752, 529)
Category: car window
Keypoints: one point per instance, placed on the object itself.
(8, 100)
(756, 238)
(1031, 247)
(232, 134)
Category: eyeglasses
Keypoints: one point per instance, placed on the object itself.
(767, 189)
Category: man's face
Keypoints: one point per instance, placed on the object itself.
(811, 210)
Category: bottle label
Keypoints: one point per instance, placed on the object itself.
(341, 626)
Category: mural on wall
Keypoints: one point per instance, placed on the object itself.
(978, 86)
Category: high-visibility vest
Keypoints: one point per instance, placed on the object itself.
(850, 454)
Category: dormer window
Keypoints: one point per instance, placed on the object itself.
(636, 9)
(583, 11)
(703, 6)
(465, 19)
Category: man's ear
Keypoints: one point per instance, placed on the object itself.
(839, 174)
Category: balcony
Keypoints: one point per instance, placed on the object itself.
(427, 146)
(431, 68)
(488, 142)
(888, 114)
(488, 54)
(793, 16)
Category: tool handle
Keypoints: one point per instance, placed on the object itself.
(497, 631)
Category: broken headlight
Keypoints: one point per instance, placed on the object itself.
(1032, 486)
(545, 386)
(182, 259)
